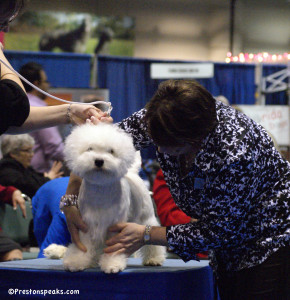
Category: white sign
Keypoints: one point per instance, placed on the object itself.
(274, 118)
(184, 70)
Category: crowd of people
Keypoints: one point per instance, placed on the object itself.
(227, 186)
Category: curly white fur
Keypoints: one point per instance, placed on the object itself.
(111, 192)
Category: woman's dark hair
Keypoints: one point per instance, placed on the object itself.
(31, 72)
(180, 111)
(11, 8)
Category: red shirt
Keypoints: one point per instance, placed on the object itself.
(168, 212)
(6, 193)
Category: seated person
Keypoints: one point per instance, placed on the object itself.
(49, 222)
(15, 168)
(10, 250)
(167, 211)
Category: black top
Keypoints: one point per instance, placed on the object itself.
(27, 180)
(14, 105)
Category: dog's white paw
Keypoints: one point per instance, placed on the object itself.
(154, 261)
(153, 255)
(54, 251)
(112, 263)
(73, 266)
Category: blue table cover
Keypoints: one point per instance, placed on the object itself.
(174, 280)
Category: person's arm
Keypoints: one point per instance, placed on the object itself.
(130, 238)
(11, 195)
(55, 171)
(48, 116)
(6, 73)
(72, 214)
(6, 193)
(17, 199)
(167, 211)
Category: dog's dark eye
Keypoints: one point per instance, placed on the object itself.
(90, 149)
(111, 151)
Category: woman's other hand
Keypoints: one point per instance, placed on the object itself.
(55, 171)
(129, 238)
(17, 199)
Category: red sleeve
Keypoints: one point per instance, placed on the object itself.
(168, 212)
(6, 193)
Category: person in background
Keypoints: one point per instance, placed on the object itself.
(167, 211)
(15, 113)
(10, 250)
(15, 166)
(49, 223)
(48, 142)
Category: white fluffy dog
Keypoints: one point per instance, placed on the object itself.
(111, 192)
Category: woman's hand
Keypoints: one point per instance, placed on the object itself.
(80, 113)
(17, 199)
(74, 224)
(129, 238)
(54, 172)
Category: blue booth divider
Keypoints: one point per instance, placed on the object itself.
(69, 70)
(277, 98)
(130, 85)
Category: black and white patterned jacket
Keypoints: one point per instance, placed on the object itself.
(238, 189)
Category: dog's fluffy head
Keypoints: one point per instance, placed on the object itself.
(99, 153)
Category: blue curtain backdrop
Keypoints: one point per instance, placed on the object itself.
(278, 98)
(70, 70)
(130, 85)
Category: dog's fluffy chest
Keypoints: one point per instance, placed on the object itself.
(103, 206)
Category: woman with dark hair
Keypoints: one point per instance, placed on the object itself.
(15, 113)
(223, 170)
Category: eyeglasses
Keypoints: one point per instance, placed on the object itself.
(27, 150)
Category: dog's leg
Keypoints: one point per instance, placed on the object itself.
(76, 260)
(113, 263)
(153, 255)
(54, 251)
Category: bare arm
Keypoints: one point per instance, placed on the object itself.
(48, 116)
(42, 117)
(72, 214)
(6, 73)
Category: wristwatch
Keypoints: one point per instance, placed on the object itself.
(147, 234)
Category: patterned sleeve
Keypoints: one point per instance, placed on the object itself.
(136, 127)
(223, 220)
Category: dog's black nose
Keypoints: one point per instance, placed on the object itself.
(99, 163)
